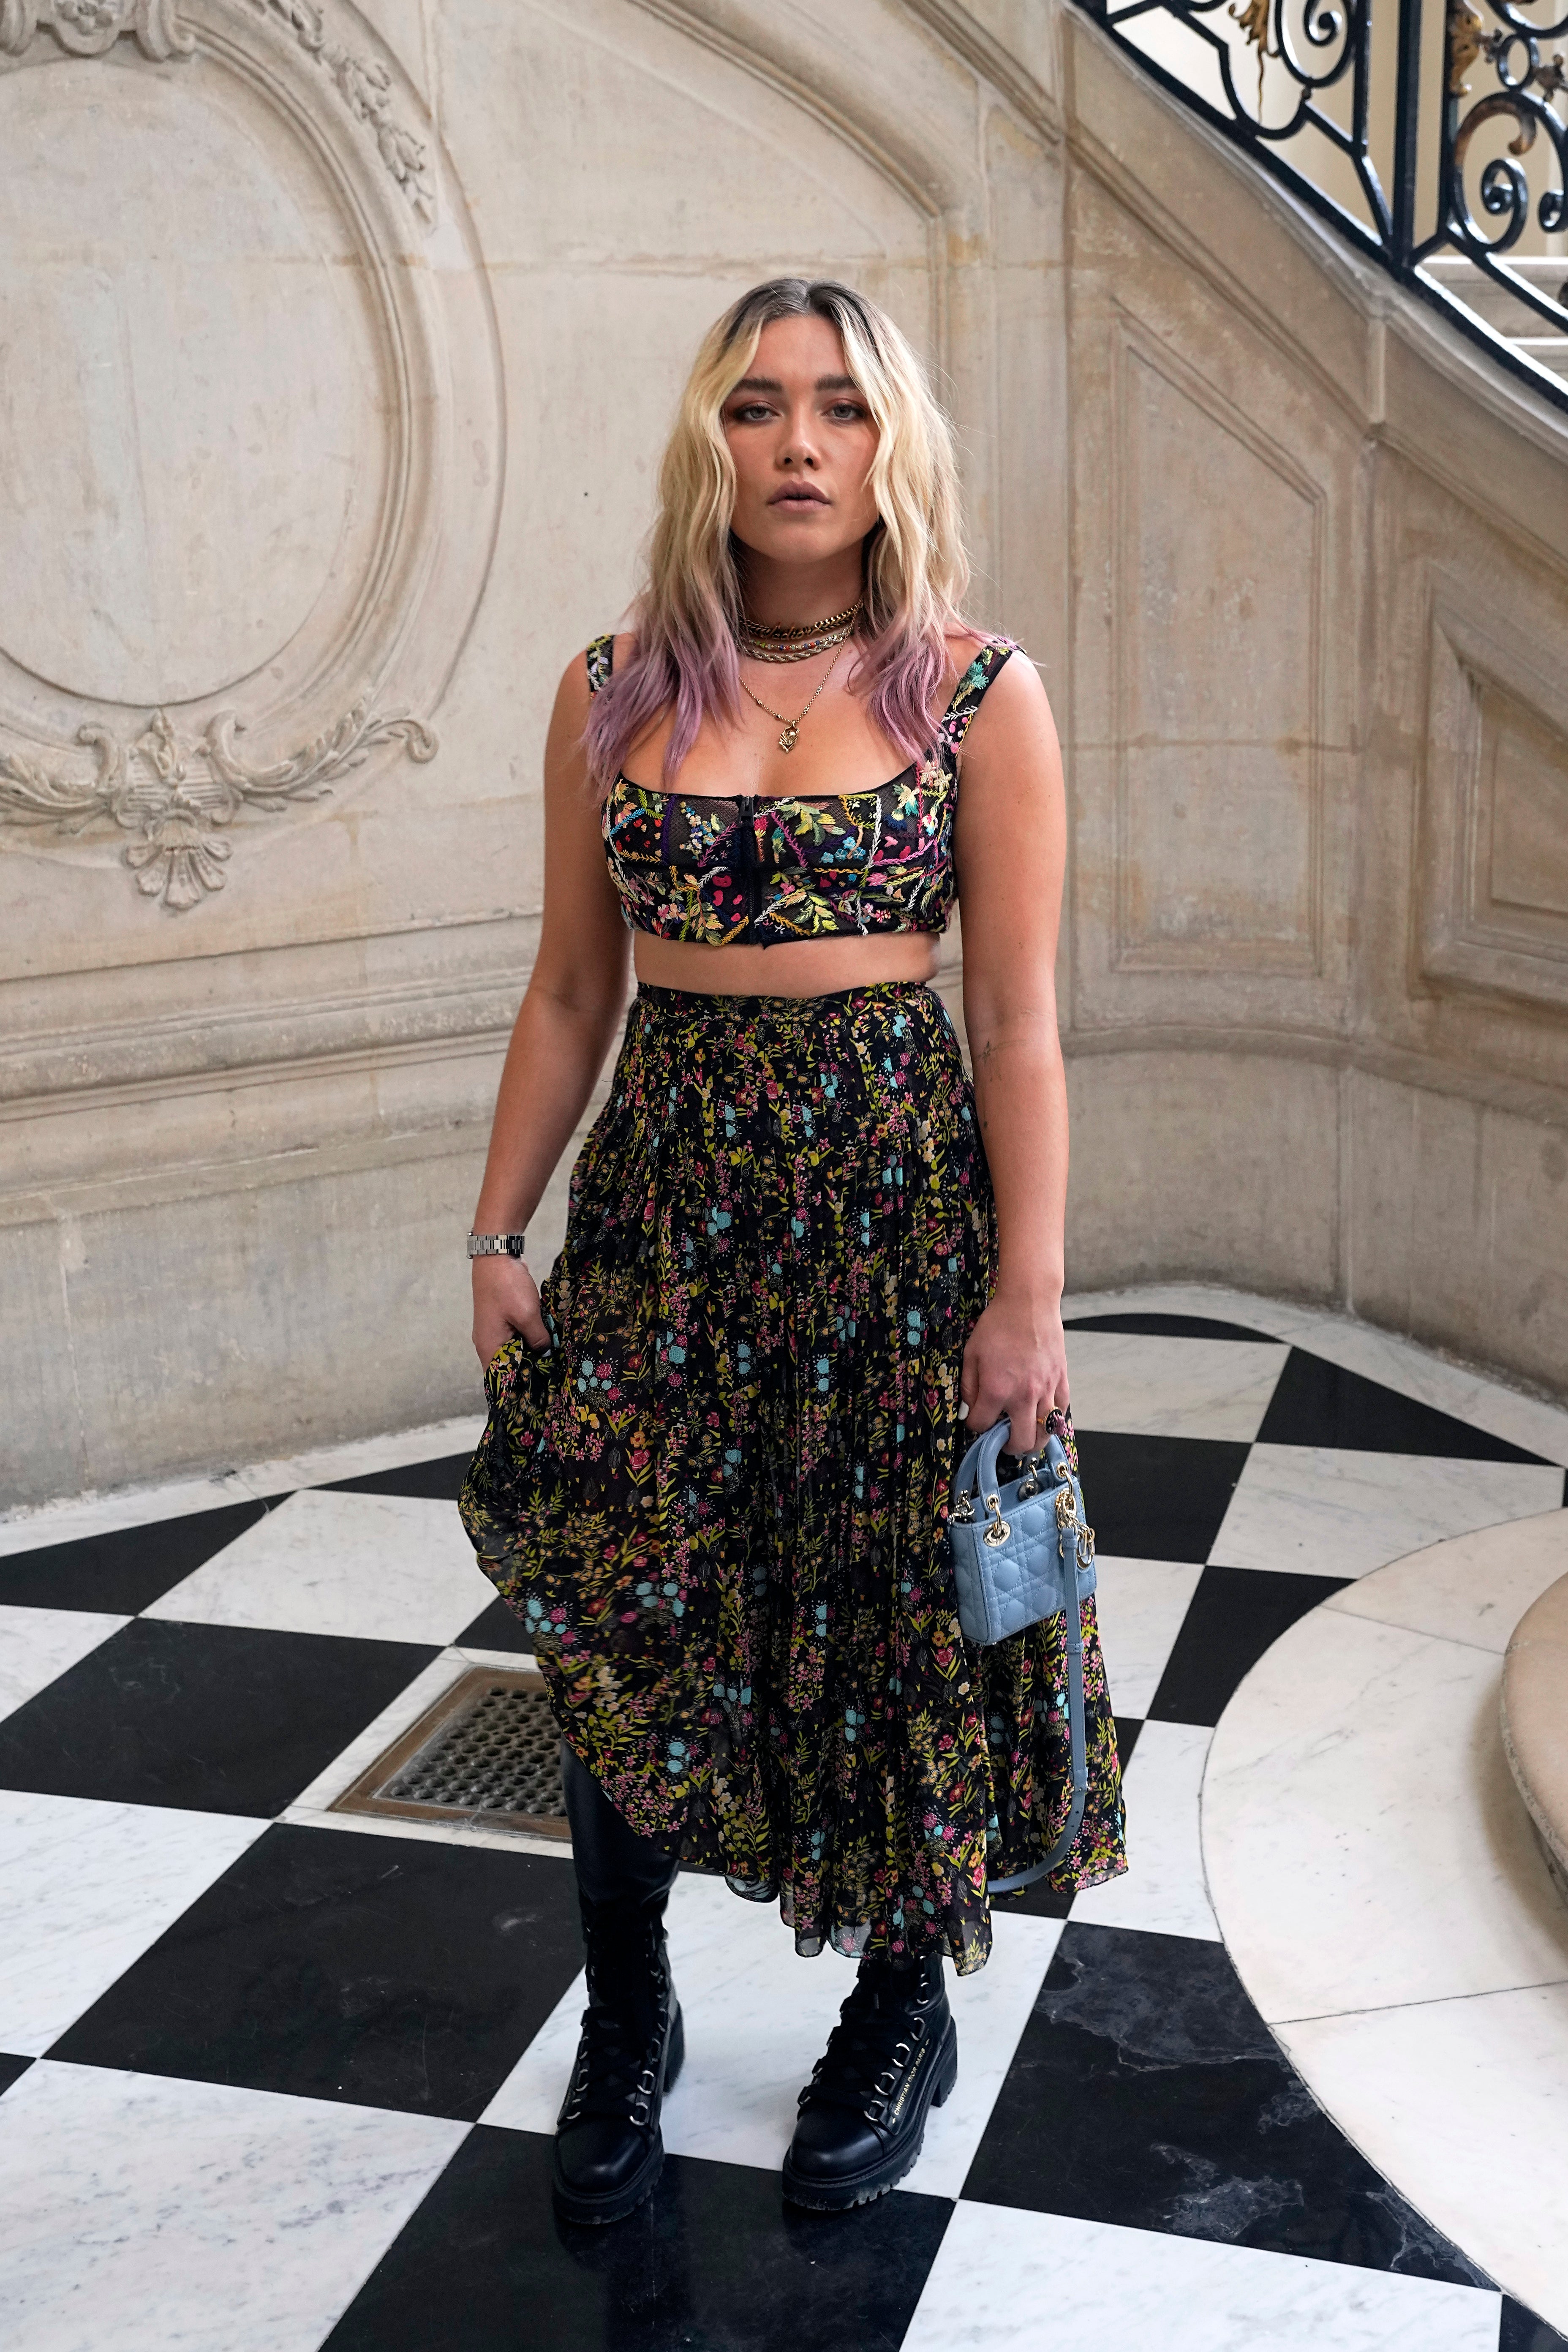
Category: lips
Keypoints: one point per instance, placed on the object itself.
(799, 494)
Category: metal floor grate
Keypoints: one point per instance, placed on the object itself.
(488, 1752)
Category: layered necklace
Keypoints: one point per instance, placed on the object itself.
(781, 645)
(795, 644)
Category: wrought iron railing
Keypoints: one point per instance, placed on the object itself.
(1435, 138)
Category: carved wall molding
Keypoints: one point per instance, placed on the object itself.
(89, 28)
(1494, 886)
(368, 642)
(175, 795)
(1282, 930)
(364, 85)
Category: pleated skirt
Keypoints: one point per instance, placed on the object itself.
(717, 1497)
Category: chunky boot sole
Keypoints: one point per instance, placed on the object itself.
(614, 2205)
(876, 2179)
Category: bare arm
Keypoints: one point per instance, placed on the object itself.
(568, 1018)
(1011, 848)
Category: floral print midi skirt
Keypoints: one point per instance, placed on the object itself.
(717, 1497)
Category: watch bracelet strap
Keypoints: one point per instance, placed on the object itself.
(496, 1245)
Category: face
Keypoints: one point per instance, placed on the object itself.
(803, 440)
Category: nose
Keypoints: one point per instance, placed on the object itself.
(799, 450)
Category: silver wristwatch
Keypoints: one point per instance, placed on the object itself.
(496, 1245)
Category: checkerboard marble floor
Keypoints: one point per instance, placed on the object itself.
(277, 2079)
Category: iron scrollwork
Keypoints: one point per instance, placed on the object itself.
(1463, 201)
(1528, 82)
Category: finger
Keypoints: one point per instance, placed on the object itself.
(530, 1323)
(1024, 1432)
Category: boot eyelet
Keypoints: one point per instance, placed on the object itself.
(901, 2052)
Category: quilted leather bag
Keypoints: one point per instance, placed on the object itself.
(1021, 1553)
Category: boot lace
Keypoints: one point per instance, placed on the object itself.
(869, 2049)
(615, 2071)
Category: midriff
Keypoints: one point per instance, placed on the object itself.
(794, 968)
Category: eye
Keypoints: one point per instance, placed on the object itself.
(847, 411)
(750, 412)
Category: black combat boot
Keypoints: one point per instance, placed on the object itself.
(892, 2057)
(609, 2149)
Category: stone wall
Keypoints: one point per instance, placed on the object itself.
(340, 346)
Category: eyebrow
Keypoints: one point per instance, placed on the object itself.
(772, 383)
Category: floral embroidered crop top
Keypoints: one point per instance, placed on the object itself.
(756, 872)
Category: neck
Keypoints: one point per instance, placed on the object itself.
(790, 596)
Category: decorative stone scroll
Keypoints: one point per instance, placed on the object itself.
(365, 89)
(175, 795)
(87, 28)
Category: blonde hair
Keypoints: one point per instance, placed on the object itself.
(914, 569)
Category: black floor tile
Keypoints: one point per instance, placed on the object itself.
(221, 1719)
(1157, 1498)
(11, 2068)
(1164, 1327)
(1521, 2331)
(1317, 1404)
(497, 1628)
(127, 1569)
(387, 1972)
(715, 2262)
(1147, 2091)
(438, 1482)
(1234, 1616)
(1039, 1901)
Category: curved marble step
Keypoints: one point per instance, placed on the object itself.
(1535, 1722)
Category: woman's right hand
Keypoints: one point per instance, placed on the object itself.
(506, 1300)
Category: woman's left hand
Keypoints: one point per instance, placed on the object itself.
(1016, 1368)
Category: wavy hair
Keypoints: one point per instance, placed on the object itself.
(913, 568)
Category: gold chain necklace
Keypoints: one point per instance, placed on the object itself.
(766, 642)
(791, 735)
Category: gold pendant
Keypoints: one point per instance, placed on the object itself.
(790, 737)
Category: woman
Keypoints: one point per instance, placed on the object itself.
(800, 1244)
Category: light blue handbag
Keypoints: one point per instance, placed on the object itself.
(1022, 1553)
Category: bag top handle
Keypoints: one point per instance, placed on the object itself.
(977, 1474)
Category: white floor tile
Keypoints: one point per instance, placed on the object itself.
(757, 2019)
(36, 1644)
(385, 1566)
(1329, 1511)
(143, 2214)
(1465, 2105)
(75, 1516)
(85, 1887)
(1171, 1388)
(990, 2011)
(1365, 1842)
(1473, 1588)
(1140, 1604)
(1004, 2280)
(1162, 1891)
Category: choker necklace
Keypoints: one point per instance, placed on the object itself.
(765, 643)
